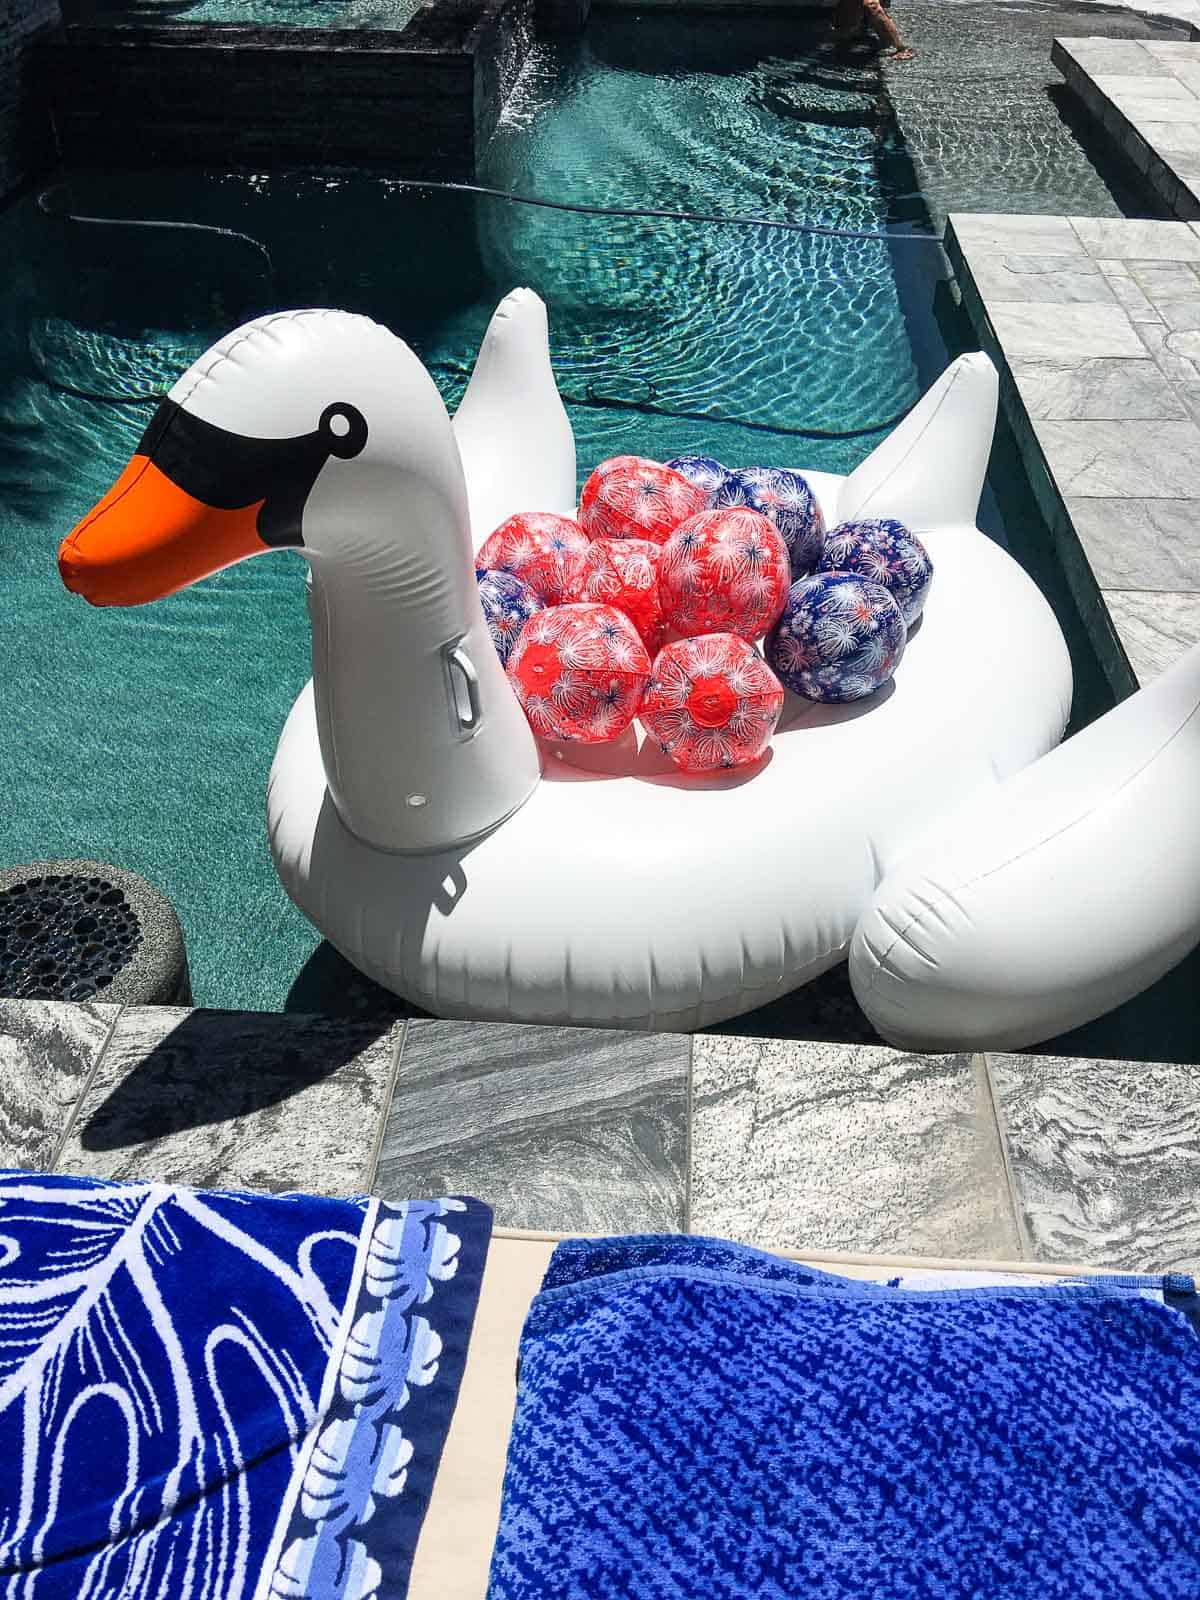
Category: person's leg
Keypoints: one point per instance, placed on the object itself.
(883, 25)
(848, 20)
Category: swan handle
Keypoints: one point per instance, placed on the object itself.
(466, 725)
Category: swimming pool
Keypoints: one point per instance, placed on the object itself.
(144, 736)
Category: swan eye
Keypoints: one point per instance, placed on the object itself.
(344, 429)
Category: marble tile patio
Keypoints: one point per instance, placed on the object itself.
(787, 1144)
(1095, 326)
(557, 1128)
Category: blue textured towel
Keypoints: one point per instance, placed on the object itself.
(222, 1396)
(698, 1420)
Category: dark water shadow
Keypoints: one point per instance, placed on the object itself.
(328, 983)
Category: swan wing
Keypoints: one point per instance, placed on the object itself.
(1070, 889)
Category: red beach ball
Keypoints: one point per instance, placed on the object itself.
(624, 573)
(724, 572)
(712, 703)
(580, 672)
(629, 497)
(541, 548)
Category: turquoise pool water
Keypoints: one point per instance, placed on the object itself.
(144, 737)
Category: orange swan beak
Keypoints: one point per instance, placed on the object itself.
(149, 538)
(196, 498)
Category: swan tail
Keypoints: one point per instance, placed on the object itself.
(929, 471)
(513, 432)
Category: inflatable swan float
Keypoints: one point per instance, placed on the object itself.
(988, 891)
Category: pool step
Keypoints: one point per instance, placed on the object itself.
(1146, 96)
(423, 100)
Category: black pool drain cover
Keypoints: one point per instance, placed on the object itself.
(81, 930)
(63, 937)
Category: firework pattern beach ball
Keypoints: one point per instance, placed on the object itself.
(724, 572)
(508, 605)
(580, 672)
(703, 471)
(712, 703)
(542, 549)
(629, 497)
(885, 552)
(839, 638)
(785, 498)
(624, 573)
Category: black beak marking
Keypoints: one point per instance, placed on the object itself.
(230, 470)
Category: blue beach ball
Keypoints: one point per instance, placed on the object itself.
(703, 471)
(508, 604)
(885, 552)
(786, 499)
(839, 638)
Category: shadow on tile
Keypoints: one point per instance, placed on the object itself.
(167, 1071)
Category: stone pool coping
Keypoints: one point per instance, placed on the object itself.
(797, 1146)
(1146, 96)
(1094, 325)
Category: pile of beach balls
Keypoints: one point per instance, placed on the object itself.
(654, 601)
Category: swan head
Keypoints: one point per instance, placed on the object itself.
(312, 430)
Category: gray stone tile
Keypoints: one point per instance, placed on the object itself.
(236, 1099)
(1131, 298)
(1179, 316)
(1174, 365)
(1131, 239)
(1172, 138)
(1123, 87)
(1154, 627)
(1105, 1158)
(1019, 235)
(1164, 280)
(1029, 278)
(1103, 388)
(1030, 332)
(1116, 56)
(1189, 391)
(824, 1146)
(1175, 52)
(48, 1051)
(1157, 460)
(563, 1129)
(1140, 543)
(1152, 110)
(1188, 72)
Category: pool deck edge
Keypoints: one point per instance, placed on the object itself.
(1082, 318)
(788, 1144)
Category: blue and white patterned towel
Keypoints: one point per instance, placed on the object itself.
(223, 1396)
(696, 1419)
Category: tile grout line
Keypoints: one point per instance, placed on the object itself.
(73, 1116)
(689, 1122)
(371, 1173)
(1014, 1204)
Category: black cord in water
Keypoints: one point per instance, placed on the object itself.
(592, 399)
(44, 206)
(670, 216)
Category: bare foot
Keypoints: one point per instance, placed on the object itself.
(902, 54)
